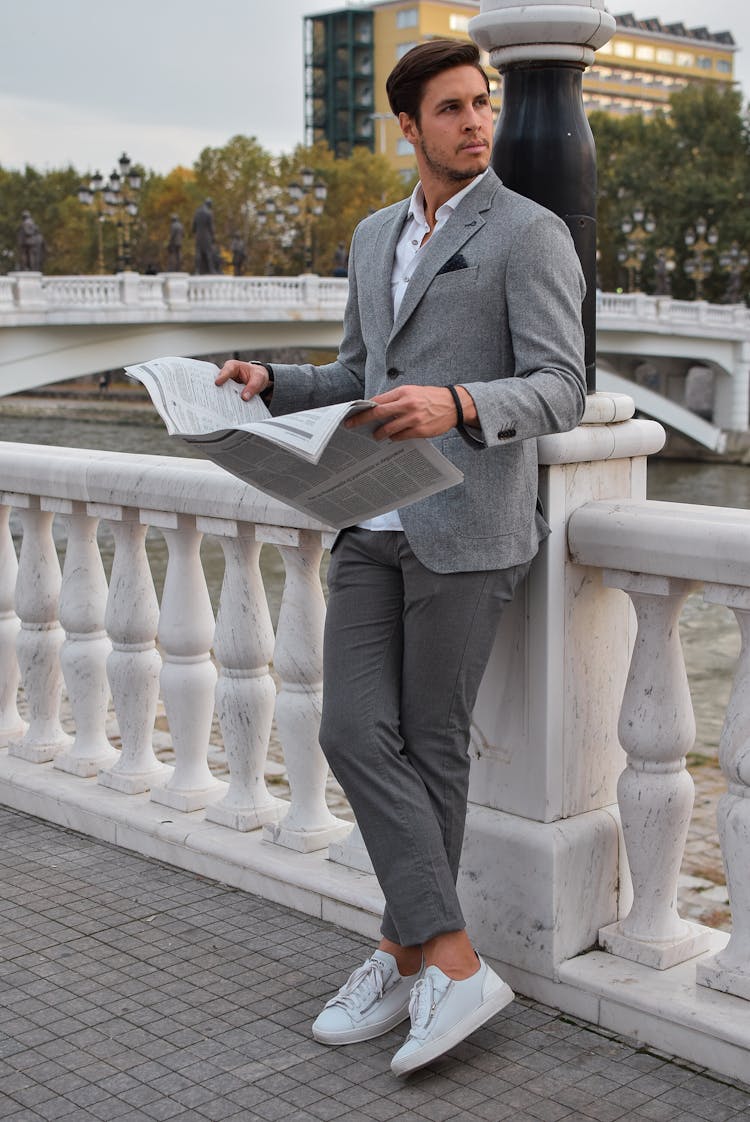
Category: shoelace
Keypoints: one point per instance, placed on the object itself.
(362, 988)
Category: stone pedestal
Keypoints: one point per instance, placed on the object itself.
(543, 839)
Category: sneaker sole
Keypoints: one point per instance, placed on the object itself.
(366, 1032)
(493, 1003)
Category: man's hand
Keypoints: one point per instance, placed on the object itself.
(415, 411)
(254, 376)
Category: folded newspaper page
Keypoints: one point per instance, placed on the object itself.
(306, 459)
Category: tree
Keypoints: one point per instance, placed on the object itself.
(692, 163)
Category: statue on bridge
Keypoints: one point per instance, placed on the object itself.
(203, 228)
(174, 245)
(31, 246)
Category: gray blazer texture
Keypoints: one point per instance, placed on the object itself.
(494, 305)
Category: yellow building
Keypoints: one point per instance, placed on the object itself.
(349, 53)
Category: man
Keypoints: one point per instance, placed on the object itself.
(463, 326)
(174, 245)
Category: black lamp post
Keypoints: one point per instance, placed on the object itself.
(701, 241)
(308, 199)
(734, 261)
(544, 147)
(114, 201)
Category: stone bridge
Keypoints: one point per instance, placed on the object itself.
(685, 363)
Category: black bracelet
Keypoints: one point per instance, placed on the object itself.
(459, 408)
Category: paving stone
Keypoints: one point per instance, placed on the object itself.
(135, 992)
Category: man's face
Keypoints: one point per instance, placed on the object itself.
(453, 139)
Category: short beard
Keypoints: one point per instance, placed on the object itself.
(442, 171)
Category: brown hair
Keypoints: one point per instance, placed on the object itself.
(406, 82)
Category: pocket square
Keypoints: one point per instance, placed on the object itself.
(458, 261)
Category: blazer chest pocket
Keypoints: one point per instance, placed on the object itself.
(455, 277)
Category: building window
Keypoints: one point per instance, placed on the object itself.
(407, 17)
(685, 58)
(402, 48)
(705, 62)
(624, 50)
(645, 53)
(665, 55)
(404, 148)
(458, 23)
(723, 65)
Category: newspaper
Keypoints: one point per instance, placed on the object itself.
(308, 460)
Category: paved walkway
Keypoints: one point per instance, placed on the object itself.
(132, 991)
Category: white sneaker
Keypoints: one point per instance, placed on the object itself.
(444, 1012)
(373, 1001)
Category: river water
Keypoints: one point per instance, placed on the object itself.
(709, 633)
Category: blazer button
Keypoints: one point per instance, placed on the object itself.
(506, 434)
(392, 372)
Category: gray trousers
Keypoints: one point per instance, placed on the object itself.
(405, 651)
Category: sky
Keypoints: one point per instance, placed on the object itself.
(83, 80)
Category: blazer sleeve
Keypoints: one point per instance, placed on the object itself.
(544, 289)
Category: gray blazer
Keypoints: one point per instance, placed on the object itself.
(493, 305)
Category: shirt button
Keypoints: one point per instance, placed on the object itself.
(392, 372)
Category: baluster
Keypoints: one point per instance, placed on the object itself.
(655, 792)
(41, 636)
(11, 724)
(245, 692)
(298, 660)
(133, 666)
(188, 677)
(729, 970)
(83, 655)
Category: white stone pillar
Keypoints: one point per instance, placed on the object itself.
(729, 970)
(298, 661)
(245, 693)
(11, 724)
(188, 677)
(29, 292)
(83, 656)
(41, 636)
(134, 664)
(655, 792)
(542, 866)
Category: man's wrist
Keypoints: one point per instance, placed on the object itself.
(266, 394)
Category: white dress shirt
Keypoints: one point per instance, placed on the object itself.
(414, 237)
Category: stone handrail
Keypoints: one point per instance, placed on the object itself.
(659, 553)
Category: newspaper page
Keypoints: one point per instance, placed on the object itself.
(187, 399)
(355, 478)
(307, 459)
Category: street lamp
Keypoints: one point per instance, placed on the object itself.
(307, 203)
(114, 201)
(734, 261)
(637, 228)
(698, 266)
(663, 269)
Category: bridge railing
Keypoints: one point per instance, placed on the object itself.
(28, 292)
(659, 553)
(110, 646)
(664, 311)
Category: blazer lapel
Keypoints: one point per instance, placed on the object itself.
(383, 252)
(462, 225)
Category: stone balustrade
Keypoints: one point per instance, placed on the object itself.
(658, 553)
(27, 298)
(556, 912)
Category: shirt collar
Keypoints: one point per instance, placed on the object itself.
(416, 202)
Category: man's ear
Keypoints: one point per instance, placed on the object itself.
(408, 127)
